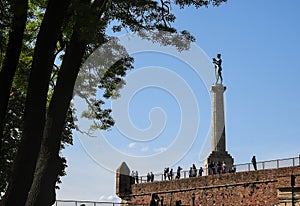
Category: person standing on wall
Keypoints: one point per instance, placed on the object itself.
(254, 162)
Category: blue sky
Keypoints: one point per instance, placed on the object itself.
(259, 43)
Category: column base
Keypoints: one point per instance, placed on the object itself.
(219, 156)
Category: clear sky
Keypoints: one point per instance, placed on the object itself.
(164, 113)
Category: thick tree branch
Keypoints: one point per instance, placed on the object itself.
(19, 7)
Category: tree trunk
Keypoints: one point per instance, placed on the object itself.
(35, 106)
(13, 51)
(42, 191)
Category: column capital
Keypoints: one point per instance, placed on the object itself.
(218, 88)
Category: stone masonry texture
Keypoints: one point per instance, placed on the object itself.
(242, 188)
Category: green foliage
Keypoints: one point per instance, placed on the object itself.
(69, 127)
(198, 3)
(5, 18)
(111, 80)
(14, 116)
(101, 117)
(12, 134)
(106, 61)
(104, 69)
(66, 139)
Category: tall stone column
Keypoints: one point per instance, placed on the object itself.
(218, 143)
(218, 118)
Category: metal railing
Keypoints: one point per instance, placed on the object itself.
(270, 164)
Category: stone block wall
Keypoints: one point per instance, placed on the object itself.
(262, 187)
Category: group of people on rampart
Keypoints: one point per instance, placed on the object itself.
(168, 173)
(193, 171)
(219, 168)
(135, 179)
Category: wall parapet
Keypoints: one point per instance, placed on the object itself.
(261, 187)
(245, 167)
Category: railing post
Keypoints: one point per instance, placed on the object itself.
(248, 166)
(293, 162)
(277, 163)
(263, 165)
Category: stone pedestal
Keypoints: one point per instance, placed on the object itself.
(219, 156)
(218, 143)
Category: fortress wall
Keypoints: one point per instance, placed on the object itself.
(260, 187)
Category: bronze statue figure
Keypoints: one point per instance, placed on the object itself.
(218, 68)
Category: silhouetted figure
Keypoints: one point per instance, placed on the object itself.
(232, 169)
(178, 203)
(132, 177)
(200, 171)
(136, 177)
(157, 200)
(194, 170)
(211, 168)
(190, 172)
(219, 167)
(218, 68)
(254, 162)
(178, 172)
(152, 177)
(153, 200)
(223, 169)
(166, 172)
(148, 177)
(170, 175)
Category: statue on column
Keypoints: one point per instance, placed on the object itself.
(218, 68)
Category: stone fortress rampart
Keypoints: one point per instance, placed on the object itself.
(270, 187)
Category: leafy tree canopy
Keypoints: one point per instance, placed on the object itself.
(43, 46)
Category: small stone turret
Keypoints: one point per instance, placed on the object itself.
(123, 187)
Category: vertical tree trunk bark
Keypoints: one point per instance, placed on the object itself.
(11, 59)
(35, 106)
(42, 191)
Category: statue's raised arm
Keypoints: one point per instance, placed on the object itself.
(218, 68)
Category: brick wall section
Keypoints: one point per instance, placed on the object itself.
(241, 188)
